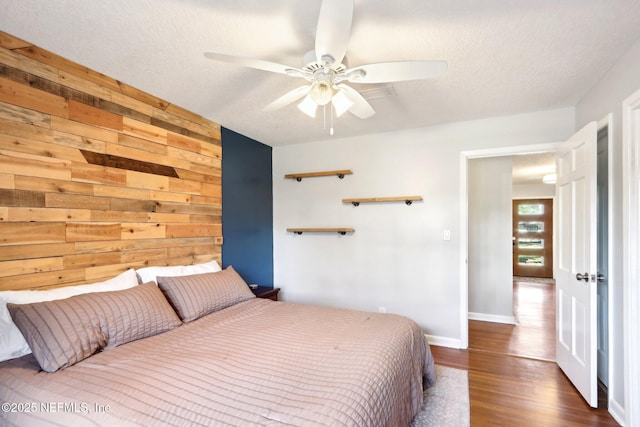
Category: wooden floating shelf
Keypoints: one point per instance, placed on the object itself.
(341, 231)
(298, 176)
(407, 199)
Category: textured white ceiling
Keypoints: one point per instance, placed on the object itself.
(530, 168)
(505, 56)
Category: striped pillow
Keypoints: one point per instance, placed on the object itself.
(64, 332)
(197, 295)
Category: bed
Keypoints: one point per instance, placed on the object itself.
(200, 349)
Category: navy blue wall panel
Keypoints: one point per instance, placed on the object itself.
(247, 208)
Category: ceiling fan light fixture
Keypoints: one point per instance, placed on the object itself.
(321, 92)
(308, 106)
(341, 103)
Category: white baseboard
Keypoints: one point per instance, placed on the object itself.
(616, 411)
(443, 341)
(509, 320)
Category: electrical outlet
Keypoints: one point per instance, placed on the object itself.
(382, 309)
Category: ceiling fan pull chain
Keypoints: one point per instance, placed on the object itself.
(331, 118)
(324, 117)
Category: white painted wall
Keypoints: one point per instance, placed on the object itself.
(490, 243)
(397, 257)
(606, 97)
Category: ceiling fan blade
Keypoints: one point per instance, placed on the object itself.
(360, 108)
(334, 28)
(399, 71)
(258, 64)
(288, 98)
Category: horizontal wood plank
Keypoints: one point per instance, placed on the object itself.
(52, 185)
(75, 201)
(21, 198)
(15, 114)
(169, 207)
(39, 149)
(26, 130)
(19, 267)
(91, 260)
(84, 130)
(79, 231)
(19, 233)
(32, 251)
(144, 255)
(121, 192)
(33, 99)
(143, 231)
(146, 181)
(47, 214)
(190, 251)
(144, 131)
(88, 143)
(13, 163)
(118, 216)
(95, 116)
(84, 172)
(10, 42)
(193, 230)
(142, 144)
(41, 280)
(7, 181)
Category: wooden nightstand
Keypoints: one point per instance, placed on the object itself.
(266, 292)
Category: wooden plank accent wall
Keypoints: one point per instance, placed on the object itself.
(96, 176)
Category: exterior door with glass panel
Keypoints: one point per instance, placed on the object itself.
(532, 238)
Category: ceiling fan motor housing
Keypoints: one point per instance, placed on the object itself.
(311, 64)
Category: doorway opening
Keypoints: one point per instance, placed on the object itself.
(511, 230)
(534, 299)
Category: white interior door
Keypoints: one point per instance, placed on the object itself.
(576, 288)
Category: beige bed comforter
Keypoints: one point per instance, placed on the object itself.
(256, 363)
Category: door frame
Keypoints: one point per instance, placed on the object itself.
(465, 156)
(607, 121)
(631, 252)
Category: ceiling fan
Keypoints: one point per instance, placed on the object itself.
(326, 68)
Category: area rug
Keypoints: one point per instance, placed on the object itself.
(447, 402)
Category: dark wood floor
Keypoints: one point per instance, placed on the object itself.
(513, 380)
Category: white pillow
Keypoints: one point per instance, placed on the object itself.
(12, 343)
(207, 267)
(149, 274)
